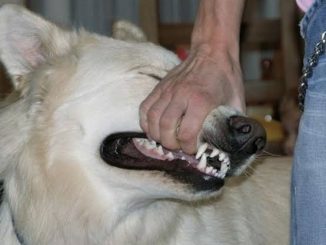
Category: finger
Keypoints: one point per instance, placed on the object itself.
(154, 116)
(146, 105)
(238, 103)
(170, 121)
(191, 125)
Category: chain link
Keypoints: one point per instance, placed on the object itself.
(308, 69)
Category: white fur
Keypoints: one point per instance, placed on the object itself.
(75, 89)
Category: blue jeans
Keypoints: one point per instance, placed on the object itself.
(308, 189)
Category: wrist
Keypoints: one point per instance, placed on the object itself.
(216, 50)
(219, 66)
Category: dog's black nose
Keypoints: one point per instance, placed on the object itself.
(247, 134)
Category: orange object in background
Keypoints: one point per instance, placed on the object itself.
(182, 51)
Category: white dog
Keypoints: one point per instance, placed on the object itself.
(76, 168)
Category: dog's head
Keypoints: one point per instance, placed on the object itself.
(74, 131)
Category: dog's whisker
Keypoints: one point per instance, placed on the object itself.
(267, 153)
(252, 171)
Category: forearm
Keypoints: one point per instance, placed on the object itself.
(217, 27)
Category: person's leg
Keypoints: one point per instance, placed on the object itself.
(308, 221)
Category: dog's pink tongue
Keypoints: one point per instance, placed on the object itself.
(150, 149)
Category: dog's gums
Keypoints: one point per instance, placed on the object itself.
(213, 162)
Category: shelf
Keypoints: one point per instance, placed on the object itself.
(263, 91)
(261, 34)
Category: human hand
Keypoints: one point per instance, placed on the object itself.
(175, 110)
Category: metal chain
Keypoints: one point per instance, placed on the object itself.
(308, 69)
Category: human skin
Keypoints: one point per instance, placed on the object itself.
(211, 75)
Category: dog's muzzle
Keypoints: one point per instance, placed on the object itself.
(224, 148)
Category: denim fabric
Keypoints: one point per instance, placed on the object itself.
(308, 189)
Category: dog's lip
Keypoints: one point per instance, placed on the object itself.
(121, 150)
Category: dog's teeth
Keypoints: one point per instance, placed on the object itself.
(201, 150)
(226, 160)
(160, 150)
(214, 153)
(169, 156)
(224, 168)
(139, 141)
(209, 170)
(222, 156)
(203, 162)
(149, 144)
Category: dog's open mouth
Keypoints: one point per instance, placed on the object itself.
(135, 151)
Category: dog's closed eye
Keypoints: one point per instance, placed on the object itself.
(154, 76)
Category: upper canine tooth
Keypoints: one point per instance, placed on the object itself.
(202, 162)
(214, 153)
(201, 150)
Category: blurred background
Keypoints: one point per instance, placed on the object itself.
(270, 48)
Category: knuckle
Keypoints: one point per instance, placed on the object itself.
(186, 136)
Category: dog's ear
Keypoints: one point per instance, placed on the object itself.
(127, 31)
(27, 41)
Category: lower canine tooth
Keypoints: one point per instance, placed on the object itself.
(202, 163)
(226, 160)
(222, 156)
